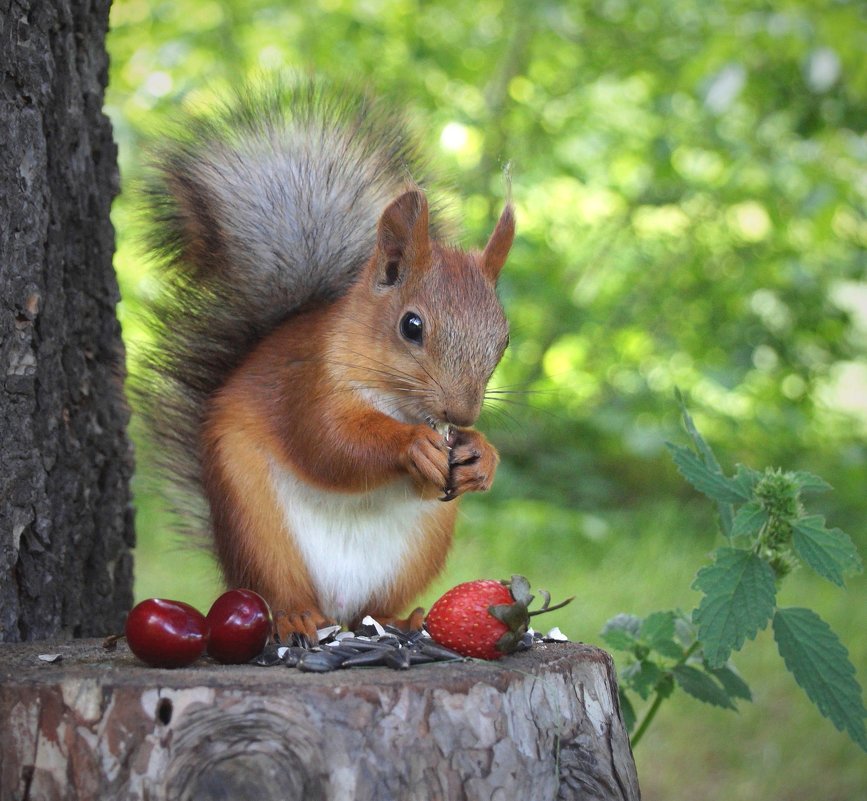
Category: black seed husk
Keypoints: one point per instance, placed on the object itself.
(367, 658)
(398, 659)
(320, 662)
(438, 651)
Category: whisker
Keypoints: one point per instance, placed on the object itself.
(502, 418)
(535, 408)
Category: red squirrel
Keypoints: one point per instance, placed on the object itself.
(320, 354)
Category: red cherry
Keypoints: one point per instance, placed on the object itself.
(166, 633)
(240, 623)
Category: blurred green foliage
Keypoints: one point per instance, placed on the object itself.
(690, 180)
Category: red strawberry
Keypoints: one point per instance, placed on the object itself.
(460, 620)
(485, 618)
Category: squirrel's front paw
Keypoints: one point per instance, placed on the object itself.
(427, 461)
(473, 463)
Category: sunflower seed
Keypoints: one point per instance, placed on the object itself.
(398, 659)
(320, 661)
(367, 658)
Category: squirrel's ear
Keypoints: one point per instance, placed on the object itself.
(402, 236)
(495, 252)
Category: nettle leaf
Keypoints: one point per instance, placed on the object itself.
(810, 482)
(709, 459)
(739, 597)
(746, 479)
(820, 664)
(702, 686)
(697, 439)
(668, 648)
(621, 631)
(685, 631)
(657, 632)
(619, 640)
(642, 676)
(734, 685)
(749, 519)
(627, 710)
(657, 627)
(706, 480)
(829, 552)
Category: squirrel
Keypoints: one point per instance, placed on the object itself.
(319, 353)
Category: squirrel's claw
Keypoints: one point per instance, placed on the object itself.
(302, 625)
(472, 464)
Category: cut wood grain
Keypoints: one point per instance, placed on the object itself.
(543, 724)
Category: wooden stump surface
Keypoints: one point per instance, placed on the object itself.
(543, 724)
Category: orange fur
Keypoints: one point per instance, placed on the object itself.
(259, 416)
(338, 399)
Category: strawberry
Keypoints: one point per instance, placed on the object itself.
(485, 619)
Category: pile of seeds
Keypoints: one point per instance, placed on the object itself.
(371, 645)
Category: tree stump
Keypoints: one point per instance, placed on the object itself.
(543, 724)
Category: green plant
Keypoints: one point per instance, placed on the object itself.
(768, 533)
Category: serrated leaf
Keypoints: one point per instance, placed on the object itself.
(668, 648)
(619, 640)
(665, 687)
(739, 596)
(810, 482)
(725, 510)
(684, 630)
(657, 632)
(706, 480)
(820, 664)
(746, 479)
(697, 439)
(627, 710)
(829, 552)
(702, 686)
(749, 520)
(621, 631)
(657, 627)
(734, 685)
(642, 677)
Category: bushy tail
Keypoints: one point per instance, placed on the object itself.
(263, 207)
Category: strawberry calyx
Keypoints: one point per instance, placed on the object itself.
(516, 615)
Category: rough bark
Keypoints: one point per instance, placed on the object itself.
(65, 462)
(540, 725)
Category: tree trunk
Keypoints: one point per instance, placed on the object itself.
(65, 461)
(540, 725)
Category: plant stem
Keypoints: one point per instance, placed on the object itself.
(651, 713)
(658, 699)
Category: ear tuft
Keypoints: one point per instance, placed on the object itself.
(495, 252)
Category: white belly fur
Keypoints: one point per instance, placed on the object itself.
(354, 544)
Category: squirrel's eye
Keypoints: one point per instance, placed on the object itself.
(411, 327)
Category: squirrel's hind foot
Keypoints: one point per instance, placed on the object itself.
(413, 621)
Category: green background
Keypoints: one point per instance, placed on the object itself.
(690, 181)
